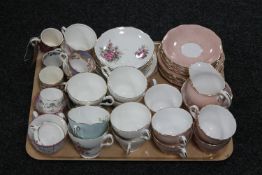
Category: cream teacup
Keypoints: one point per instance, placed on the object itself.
(161, 96)
(90, 148)
(214, 124)
(50, 100)
(131, 120)
(125, 83)
(78, 37)
(47, 133)
(51, 76)
(49, 39)
(88, 122)
(172, 126)
(88, 89)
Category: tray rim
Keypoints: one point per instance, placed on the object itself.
(28, 144)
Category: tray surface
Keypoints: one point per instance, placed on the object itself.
(147, 152)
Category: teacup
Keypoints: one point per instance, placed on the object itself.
(54, 58)
(90, 148)
(78, 37)
(131, 120)
(51, 76)
(49, 39)
(214, 124)
(161, 96)
(88, 122)
(88, 89)
(47, 133)
(207, 147)
(125, 83)
(129, 145)
(172, 126)
(78, 62)
(50, 100)
(178, 149)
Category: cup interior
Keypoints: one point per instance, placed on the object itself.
(52, 37)
(51, 94)
(52, 129)
(88, 115)
(51, 75)
(130, 116)
(52, 58)
(127, 82)
(80, 37)
(162, 96)
(217, 122)
(82, 61)
(86, 87)
(172, 121)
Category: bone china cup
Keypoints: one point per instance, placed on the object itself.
(214, 124)
(161, 96)
(51, 76)
(88, 89)
(187, 44)
(78, 37)
(50, 38)
(50, 100)
(131, 120)
(125, 83)
(47, 133)
(88, 121)
(172, 125)
(90, 148)
(54, 58)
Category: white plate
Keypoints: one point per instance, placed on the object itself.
(124, 46)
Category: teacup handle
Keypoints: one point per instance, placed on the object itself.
(154, 82)
(106, 71)
(145, 134)
(63, 29)
(35, 114)
(34, 41)
(128, 150)
(183, 140)
(224, 96)
(35, 133)
(194, 111)
(75, 129)
(182, 152)
(109, 140)
(62, 115)
(107, 98)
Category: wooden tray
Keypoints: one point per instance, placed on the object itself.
(148, 151)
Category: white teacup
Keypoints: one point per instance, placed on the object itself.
(54, 58)
(161, 96)
(129, 145)
(125, 83)
(50, 100)
(131, 120)
(47, 133)
(51, 76)
(88, 89)
(78, 37)
(90, 148)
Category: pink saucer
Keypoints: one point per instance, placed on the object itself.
(188, 44)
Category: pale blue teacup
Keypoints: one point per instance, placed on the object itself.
(88, 122)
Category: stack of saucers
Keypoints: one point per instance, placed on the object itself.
(185, 45)
(126, 46)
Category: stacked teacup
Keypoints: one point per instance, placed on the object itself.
(88, 130)
(130, 124)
